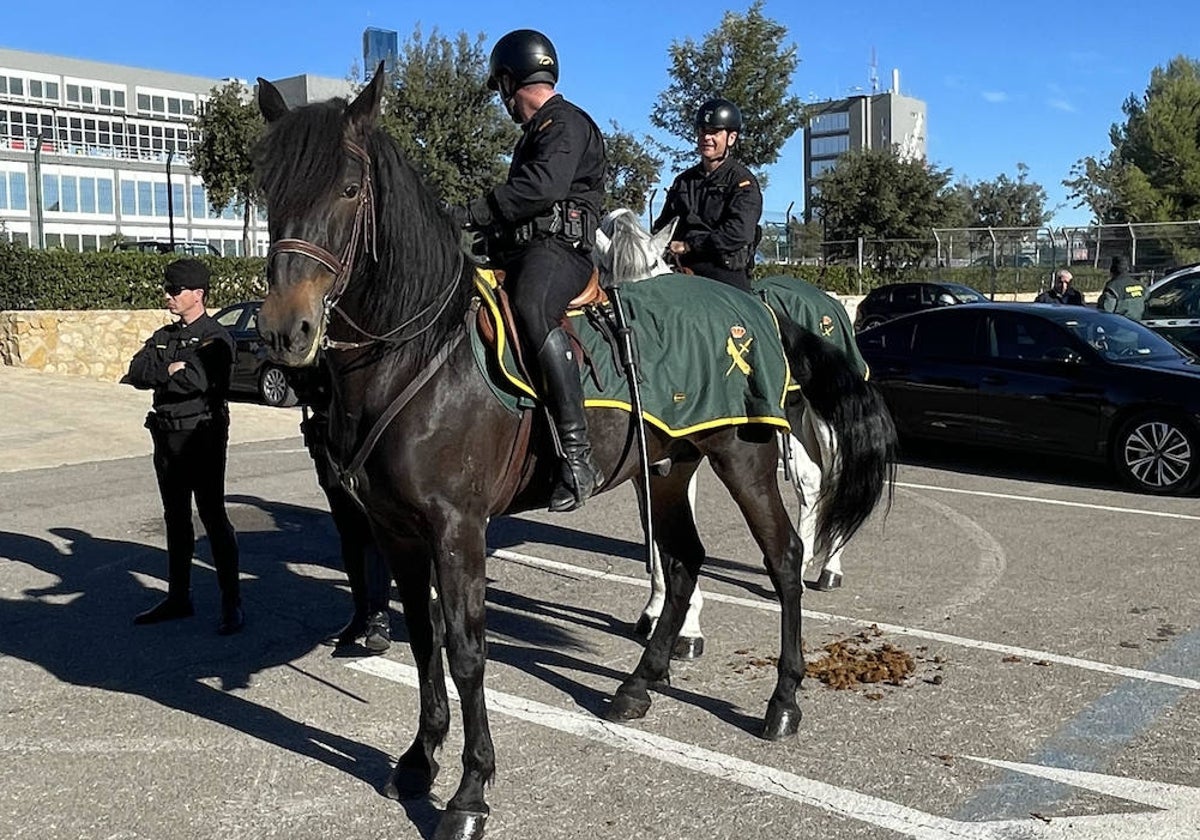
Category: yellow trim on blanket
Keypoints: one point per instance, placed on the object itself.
(698, 427)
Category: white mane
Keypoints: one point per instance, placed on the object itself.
(626, 252)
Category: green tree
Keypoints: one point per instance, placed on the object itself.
(892, 203)
(1006, 203)
(229, 124)
(449, 125)
(632, 169)
(746, 61)
(1152, 173)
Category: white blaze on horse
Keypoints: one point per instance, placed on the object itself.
(628, 253)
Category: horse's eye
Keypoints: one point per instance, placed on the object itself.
(350, 191)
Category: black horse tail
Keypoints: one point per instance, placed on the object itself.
(856, 413)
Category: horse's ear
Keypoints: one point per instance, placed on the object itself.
(364, 110)
(660, 240)
(270, 101)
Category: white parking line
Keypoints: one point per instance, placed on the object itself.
(1178, 806)
(917, 633)
(1059, 502)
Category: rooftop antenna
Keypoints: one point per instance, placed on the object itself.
(874, 73)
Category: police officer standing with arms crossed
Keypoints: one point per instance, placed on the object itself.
(718, 202)
(541, 227)
(187, 364)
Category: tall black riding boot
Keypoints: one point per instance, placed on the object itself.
(578, 474)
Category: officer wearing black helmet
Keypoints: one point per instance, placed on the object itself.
(187, 364)
(541, 226)
(718, 202)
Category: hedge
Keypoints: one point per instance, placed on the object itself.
(32, 279)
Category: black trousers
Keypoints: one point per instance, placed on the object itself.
(738, 279)
(191, 463)
(540, 281)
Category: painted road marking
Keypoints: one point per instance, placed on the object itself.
(913, 632)
(1059, 502)
(1181, 804)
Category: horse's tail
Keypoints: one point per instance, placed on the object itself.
(860, 421)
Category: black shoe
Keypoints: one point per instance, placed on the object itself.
(378, 636)
(578, 479)
(232, 620)
(167, 609)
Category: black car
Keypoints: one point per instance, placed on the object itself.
(887, 302)
(1173, 307)
(252, 373)
(1065, 380)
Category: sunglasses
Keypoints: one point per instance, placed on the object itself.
(174, 290)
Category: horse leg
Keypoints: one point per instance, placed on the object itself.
(690, 644)
(821, 447)
(748, 471)
(417, 768)
(682, 555)
(461, 585)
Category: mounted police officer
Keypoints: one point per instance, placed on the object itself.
(541, 227)
(718, 202)
(187, 364)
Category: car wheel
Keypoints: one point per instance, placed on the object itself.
(1157, 453)
(273, 387)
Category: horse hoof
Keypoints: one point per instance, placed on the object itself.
(461, 825)
(624, 707)
(688, 648)
(828, 581)
(781, 722)
(644, 627)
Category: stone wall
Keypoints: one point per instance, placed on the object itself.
(97, 344)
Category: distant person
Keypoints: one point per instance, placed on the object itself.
(1122, 294)
(187, 364)
(718, 202)
(1061, 290)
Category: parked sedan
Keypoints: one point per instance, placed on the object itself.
(252, 373)
(896, 299)
(1066, 380)
(1173, 307)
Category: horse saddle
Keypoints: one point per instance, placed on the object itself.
(492, 323)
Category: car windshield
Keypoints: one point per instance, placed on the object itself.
(965, 294)
(1115, 337)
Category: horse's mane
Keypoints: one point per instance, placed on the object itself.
(630, 256)
(300, 164)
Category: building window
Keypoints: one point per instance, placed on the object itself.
(104, 196)
(143, 102)
(69, 194)
(18, 197)
(199, 203)
(819, 167)
(52, 91)
(830, 123)
(16, 86)
(825, 146)
(145, 194)
(50, 200)
(128, 198)
(3, 190)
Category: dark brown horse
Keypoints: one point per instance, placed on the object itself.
(365, 263)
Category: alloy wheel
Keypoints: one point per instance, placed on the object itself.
(1158, 454)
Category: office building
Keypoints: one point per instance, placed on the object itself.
(92, 153)
(887, 120)
(379, 45)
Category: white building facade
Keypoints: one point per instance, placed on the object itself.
(93, 153)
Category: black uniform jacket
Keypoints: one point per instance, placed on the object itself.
(203, 385)
(718, 213)
(560, 155)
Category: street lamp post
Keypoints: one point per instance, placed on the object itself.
(170, 201)
(38, 198)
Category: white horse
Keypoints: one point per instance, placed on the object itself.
(626, 253)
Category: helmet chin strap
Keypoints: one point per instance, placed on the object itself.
(508, 95)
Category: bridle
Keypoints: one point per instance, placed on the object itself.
(362, 232)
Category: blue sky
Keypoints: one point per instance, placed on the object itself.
(1004, 82)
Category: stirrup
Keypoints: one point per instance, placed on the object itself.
(575, 476)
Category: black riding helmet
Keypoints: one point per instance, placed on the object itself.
(716, 114)
(524, 55)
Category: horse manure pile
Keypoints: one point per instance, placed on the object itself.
(862, 659)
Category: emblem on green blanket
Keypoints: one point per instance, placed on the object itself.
(738, 349)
